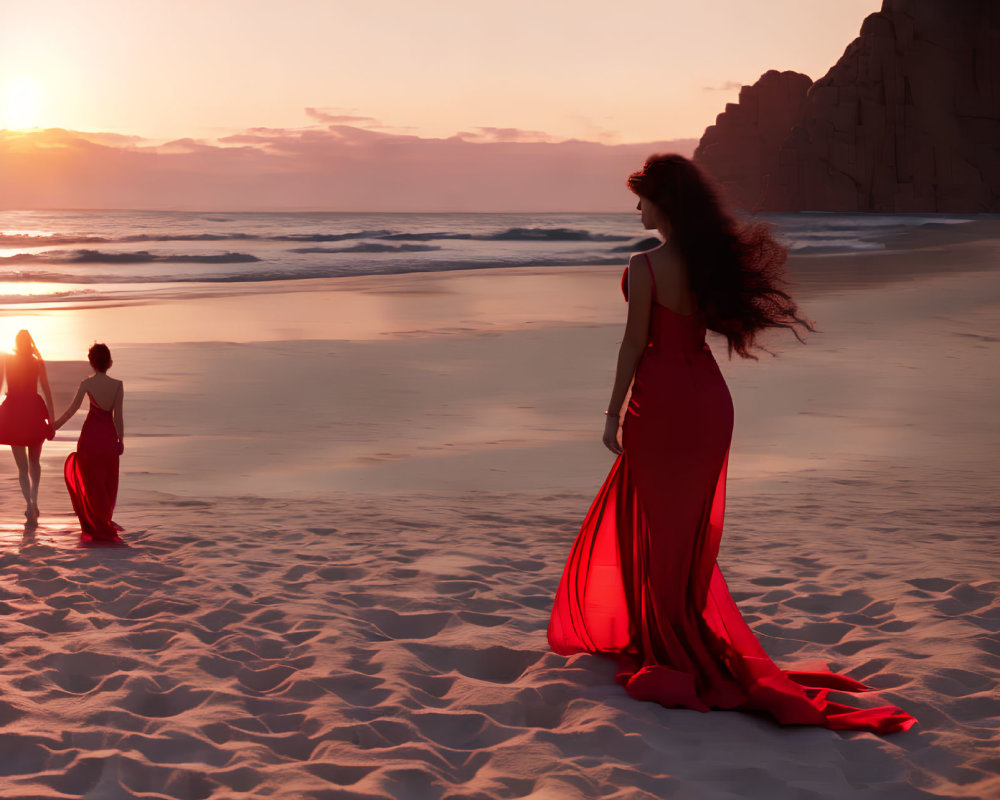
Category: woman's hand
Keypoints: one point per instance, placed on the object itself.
(611, 434)
(121, 447)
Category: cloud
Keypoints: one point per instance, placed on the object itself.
(336, 168)
(113, 139)
(328, 117)
(183, 146)
(504, 135)
(597, 131)
(728, 86)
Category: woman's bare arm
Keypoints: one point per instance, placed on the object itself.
(43, 378)
(119, 418)
(640, 299)
(73, 408)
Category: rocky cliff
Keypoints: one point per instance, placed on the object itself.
(907, 120)
(741, 150)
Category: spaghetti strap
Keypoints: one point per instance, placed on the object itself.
(652, 276)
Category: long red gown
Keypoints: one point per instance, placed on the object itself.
(642, 583)
(24, 419)
(92, 478)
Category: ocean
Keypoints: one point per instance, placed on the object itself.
(70, 255)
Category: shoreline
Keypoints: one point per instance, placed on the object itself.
(376, 307)
(456, 339)
(972, 236)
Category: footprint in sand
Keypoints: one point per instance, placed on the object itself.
(299, 636)
(264, 680)
(52, 622)
(295, 574)
(341, 573)
(964, 598)
(221, 618)
(241, 779)
(146, 699)
(356, 689)
(338, 774)
(459, 730)
(492, 664)
(152, 640)
(771, 580)
(9, 713)
(460, 586)
(435, 685)
(851, 600)
(83, 671)
(483, 620)
(958, 682)
(407, 626)
(857, 645)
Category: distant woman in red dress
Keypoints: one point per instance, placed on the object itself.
(25, 418)
(92, 471)
(642, 583)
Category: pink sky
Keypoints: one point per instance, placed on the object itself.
(339, 168)
(394, 105)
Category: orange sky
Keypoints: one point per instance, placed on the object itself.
(380, 105)
(623, 71)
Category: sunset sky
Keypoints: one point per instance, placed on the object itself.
(218, 71)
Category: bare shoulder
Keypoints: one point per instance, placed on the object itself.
(640, 282)
(638, 270)
(662, 256)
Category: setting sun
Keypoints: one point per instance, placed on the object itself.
(22, 102)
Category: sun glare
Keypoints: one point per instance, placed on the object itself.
(22, 102)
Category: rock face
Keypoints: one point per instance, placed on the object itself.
(907, 120)
(741, 150)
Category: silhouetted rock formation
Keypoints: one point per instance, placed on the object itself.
(741, 149)
(907, 120)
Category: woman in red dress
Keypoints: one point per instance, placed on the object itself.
(92, 471)
(641, 582)
(25, 418)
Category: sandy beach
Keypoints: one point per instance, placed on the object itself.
(349, 506)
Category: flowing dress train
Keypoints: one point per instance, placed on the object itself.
(642, 583)
(92, 478)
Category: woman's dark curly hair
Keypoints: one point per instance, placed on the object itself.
(735, 270)
(99, 356)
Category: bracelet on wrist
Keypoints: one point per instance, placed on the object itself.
(611, 414)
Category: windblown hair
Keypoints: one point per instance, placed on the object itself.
(735, 270)
(24, 346)
(99, 356)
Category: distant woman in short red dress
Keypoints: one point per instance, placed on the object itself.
(92, 471)
(642, 582)
(25, 418)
